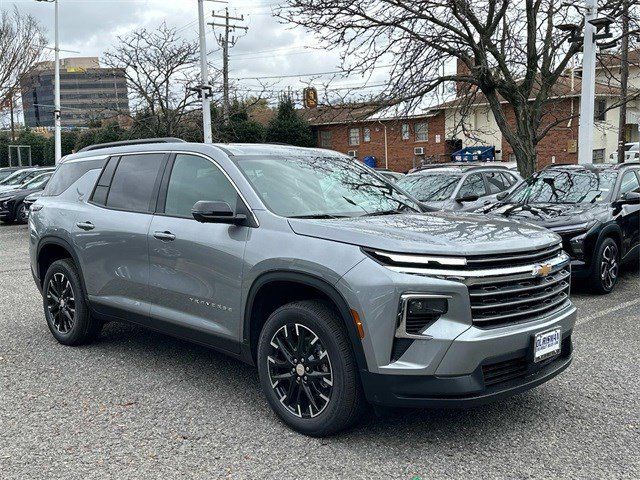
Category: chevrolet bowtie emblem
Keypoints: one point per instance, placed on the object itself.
(541, 270)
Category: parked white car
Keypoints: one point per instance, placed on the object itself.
(632, 153)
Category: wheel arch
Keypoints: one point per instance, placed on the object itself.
(299, 285)
(51, 249)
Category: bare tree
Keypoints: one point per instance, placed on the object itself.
(508, 51)
(21, 47)
(160, 68)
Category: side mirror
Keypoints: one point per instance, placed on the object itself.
(216, 212)
(630, 198)
(467, 198)
(502, 195)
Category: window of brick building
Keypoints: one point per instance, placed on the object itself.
(405, 131)
(354, 136)
(600, 111)
(598, 155)
(422, 132)
(366, 134)
(325, 139)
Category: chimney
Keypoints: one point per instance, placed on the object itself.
(462, 88)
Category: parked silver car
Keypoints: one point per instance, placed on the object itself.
(304, 263)
(459, 186)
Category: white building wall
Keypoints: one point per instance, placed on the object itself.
(480, 128)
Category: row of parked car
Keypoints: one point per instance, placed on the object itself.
(594, 208)
(19, 188)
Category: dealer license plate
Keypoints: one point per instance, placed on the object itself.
(546, 344)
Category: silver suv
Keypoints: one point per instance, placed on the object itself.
(307, 264)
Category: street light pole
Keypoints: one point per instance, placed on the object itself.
(205, 89)
(588, 94)
(56, 113)
(56, 94)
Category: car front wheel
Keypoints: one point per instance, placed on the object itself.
(307, 369)
(22, 213)
(606, 266)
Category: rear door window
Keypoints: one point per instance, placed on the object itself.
(134, 181)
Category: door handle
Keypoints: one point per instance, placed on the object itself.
(164, 236)
(85, 225)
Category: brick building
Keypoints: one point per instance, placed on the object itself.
(401, 142)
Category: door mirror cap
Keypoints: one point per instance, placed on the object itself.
(467, 198)
(502, 195)
(206, 211)
(630, 198)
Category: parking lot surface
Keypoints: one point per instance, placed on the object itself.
(138, 404)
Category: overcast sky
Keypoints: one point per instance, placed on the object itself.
(269, 48)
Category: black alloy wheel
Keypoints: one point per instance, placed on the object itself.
(300, 370)
(61, 303)
(308, 370)
(609, 267)
(22, 213)
(65, 308)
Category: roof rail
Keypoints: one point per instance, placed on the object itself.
(123, 143)
(462, 165)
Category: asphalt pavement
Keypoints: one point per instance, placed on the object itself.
(138, 404)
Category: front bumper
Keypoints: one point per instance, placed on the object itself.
(467, 390)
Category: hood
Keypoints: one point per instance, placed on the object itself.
(9, 192)
(551, 215)
(430, 233)
(8, 188)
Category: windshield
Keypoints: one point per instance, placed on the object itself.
(38, 181)
(15, 178)
(321, 187)
(565, 186)
(432, 187)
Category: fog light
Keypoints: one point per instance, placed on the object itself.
(419, 312)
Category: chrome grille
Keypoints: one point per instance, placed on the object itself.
(503, 289)
(511, 301)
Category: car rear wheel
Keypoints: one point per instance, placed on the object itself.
(65, 307)
(307, 369)
(606, 267)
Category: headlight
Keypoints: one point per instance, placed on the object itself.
(577, 245)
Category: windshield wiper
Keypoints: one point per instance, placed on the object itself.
(319, 216)
(384, 212)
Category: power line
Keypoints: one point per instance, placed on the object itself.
(297, 75)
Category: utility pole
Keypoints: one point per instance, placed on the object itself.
(624, 80)
(204, 89)
(13, 126)
(225, 42)
(588, 94)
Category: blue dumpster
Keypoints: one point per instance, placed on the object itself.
(369, 161)
(474, 154)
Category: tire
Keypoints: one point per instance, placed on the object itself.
(22, 213)
(330, 369)
(606, 267)
(65, 306)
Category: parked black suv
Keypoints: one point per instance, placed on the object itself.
(594, 208)
(13, 207)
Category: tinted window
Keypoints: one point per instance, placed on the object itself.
(430, 187)
(473, 185)
(194, 179)
(629, 183)
(497, 181)
(37, 182)
(133, 182)
(67, 174)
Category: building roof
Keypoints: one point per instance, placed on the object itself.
(565, 87)
(339, 114)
